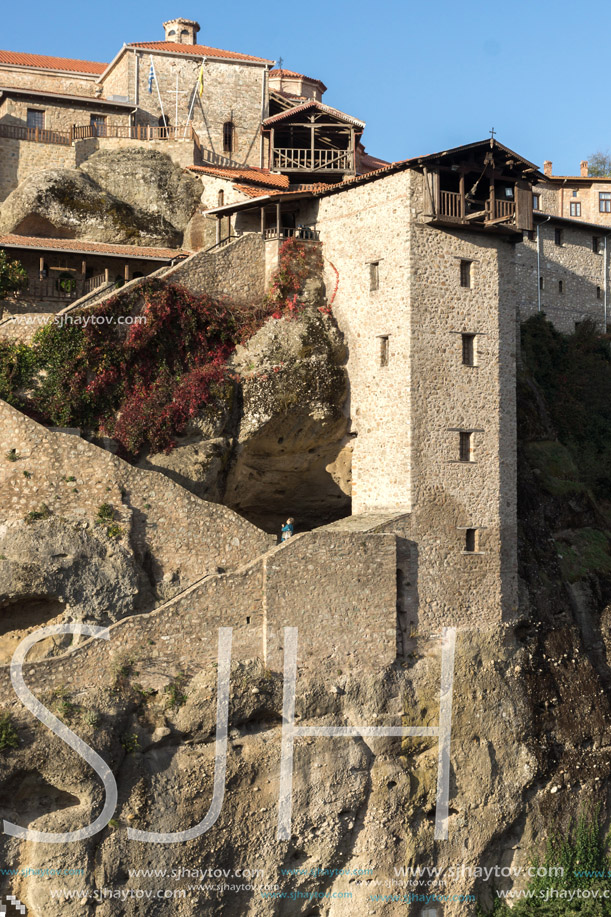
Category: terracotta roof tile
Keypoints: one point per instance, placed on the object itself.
(95, 248)
(291, 74)
(196, 50)
(45, 62)
(251, 174)
(312, 103)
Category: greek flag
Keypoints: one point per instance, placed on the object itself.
(151, 77)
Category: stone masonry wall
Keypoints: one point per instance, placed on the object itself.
(20, 158)
(236, 270)
(59, 116)
(232, 92)
(336, 588)
(63, 83)
(450, 495)
(574, 263)
(365, 224)
(183, 537)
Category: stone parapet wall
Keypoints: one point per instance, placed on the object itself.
(236, 270)
(337, 588)
(20, 158)
(183, 537)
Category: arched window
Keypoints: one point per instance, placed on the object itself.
(172, 32)
(228, 132)
(220, 199)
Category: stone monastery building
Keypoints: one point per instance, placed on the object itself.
(429, 265)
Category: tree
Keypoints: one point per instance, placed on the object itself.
(13, 276)
(599, 164)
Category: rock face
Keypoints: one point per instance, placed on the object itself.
(68, 204)
(149, 181)
(56, 571)
(279, 446)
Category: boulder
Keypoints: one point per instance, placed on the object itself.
(68, 204)
(148, 180)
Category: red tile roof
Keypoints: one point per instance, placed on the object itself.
(291, 74)
(312, 103)
(44, 62)
(79, 246)
(196, 50)
(250, 174)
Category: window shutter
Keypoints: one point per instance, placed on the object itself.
(524, 206)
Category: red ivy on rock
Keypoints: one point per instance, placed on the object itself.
(141, 381)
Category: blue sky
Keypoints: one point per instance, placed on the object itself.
(424, 75)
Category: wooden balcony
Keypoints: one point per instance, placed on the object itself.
(293, 159)
(452, 206)
(301, 233)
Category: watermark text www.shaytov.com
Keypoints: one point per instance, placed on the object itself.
(291, 732)
(84, 320)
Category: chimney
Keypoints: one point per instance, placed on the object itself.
(182, 31)
(547, 167)
(583, 168)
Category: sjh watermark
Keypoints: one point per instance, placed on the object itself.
(290, 734)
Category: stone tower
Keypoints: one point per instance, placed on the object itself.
(182, 31)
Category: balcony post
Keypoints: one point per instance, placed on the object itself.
(262, 221)
(462, 195)
(278, 219)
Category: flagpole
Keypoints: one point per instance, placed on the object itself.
(165, 123)
(194, 94)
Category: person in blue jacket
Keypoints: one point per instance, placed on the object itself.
(287, 529)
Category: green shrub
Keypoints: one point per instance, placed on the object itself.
(8, 734)
(130, 742)
(35, 515)
(105, 514)
(176, 697)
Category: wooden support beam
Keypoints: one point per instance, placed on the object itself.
(278, 219)
(262, 220)
(106, 275)
(126, 272)
(83, 267)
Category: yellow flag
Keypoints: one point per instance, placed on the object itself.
(200, 80)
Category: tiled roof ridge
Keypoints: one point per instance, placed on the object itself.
(312, 103)
(197, 50)
(51, 62)
(78, 245)
(293, 73)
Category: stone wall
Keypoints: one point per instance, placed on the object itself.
(59, 115)
(236, 270)
(46, 81)
(20, 158)
(557, 199)
(232, 91)
(368, 224)
(411, 394)
(572, 263)
(337, 588)
(182, 536)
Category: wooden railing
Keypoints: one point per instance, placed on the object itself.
(302, 233)
(36, 134)
(49, 288)
(92, 283)
(303, 160)
(121, 131)
(450, 205)
(504, 209)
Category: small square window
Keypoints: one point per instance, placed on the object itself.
(470, 541)
(465, 273)
(374, 275)
(596, 244)
(536, 202)
(574, 194)
(557, 237)
(604, 201)
(561, 286)
(575, 209)
(540, 283)
(468, 349)
(598, 292)
(530, 235)
(465, 446)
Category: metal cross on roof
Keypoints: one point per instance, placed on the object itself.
(492, 133)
